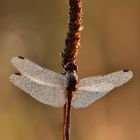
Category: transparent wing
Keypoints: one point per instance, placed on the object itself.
(49, 94)
(32, 70)
(116, 78)
(93, 88)
(87, 95)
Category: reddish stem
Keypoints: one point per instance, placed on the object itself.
(67, 115)
(72, 44)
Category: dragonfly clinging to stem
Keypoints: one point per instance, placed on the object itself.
(49, 87)
(66, 90)
(57, 90)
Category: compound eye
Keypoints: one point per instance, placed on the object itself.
(71, 67)
(75, 67)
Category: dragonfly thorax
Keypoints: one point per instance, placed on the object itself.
(72, 81)
(71, 75)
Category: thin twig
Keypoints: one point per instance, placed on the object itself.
(72, 44)
(67, 110)
(64, 121)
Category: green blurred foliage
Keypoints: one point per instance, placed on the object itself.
(110, 42)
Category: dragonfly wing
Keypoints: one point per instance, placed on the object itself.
(116, 78)
(49, 94)
(93, 88)
(87, 95)
(32, 70)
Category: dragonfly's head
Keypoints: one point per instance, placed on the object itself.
(70, 67)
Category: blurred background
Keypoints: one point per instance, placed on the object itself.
(110, 42)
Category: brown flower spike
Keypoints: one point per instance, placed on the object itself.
(72, 42)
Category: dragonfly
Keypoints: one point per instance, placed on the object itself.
(49, 87)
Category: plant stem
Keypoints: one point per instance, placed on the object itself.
(72, 44)
(67, 115)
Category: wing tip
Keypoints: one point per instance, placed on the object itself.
(21, 57)
(126, 75)
(126, 70)
(15, 59)
(15, 75)
(129, 73)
